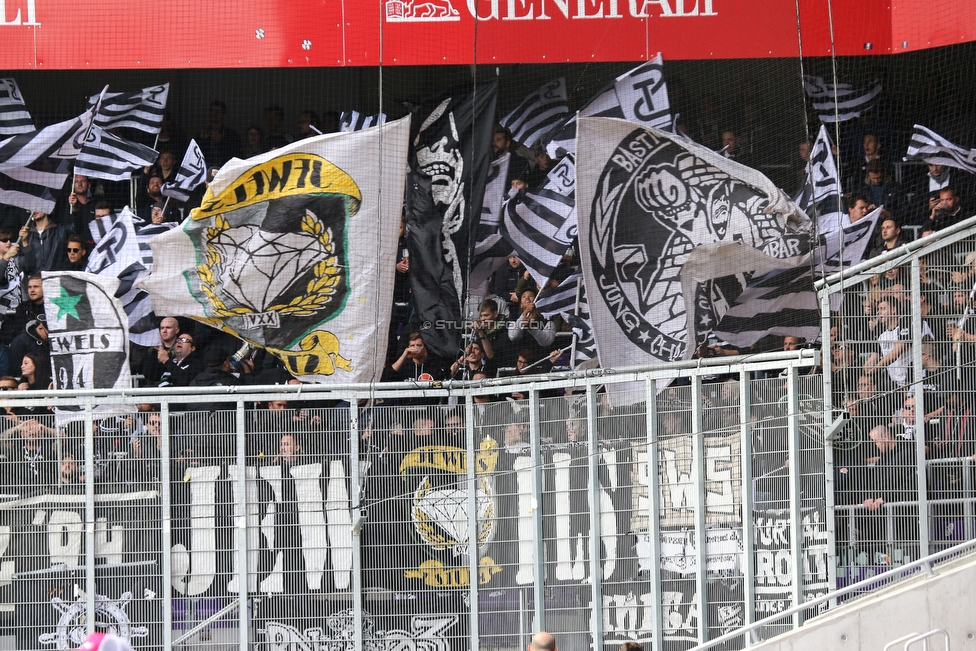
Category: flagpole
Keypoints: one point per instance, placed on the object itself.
(27, 224)
(579, 290)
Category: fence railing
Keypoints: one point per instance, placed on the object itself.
(605, 508)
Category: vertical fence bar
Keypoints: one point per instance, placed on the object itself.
(242, 611)
(698, 473)
(967, 493)
(748, 531)
(654, 514)
(828, 418)
(539, 555)
(355, 493)
(472, 477)
(793, 457)
(596, 571)
(916, 382)
(166, 591)
(89, 517)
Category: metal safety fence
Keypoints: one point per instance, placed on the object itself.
(899, 371)
(666, 506)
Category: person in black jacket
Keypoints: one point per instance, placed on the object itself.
(887, 476)
(182, 365)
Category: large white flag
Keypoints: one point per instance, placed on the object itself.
(669, 233)
(295, 251)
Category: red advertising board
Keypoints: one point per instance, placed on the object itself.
(120, 34)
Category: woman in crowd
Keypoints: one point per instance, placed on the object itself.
(35, 373)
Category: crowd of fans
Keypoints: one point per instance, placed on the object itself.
(871, 343)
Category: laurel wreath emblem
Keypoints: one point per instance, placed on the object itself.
(319, 291)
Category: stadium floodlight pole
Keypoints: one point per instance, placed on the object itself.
(960, 324)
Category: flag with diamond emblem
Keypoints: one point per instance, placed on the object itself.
(88, 331)
(294, 251)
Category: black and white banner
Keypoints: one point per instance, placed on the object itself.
(538, 113)
(191, 175)
(639, 95)
(62, 141)
(88, 332)
(43, 554)
(14, 117)
(116, 244)
(839, 102)
(540, 224)
(109, 157)
(33, 187)
(668, 230)
(561, 299)
(141, 109)
(926, 145)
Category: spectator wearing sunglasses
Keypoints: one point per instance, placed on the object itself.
(77, 252)
(183, 364)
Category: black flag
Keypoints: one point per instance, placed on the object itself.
(449, 158)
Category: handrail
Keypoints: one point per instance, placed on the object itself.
(802, 357)
(909, 247)
(830, 596)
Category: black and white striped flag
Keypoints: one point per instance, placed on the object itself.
(561, 299)
(538, 113)
(14, 117)
(496, 190)
(781, 302)
(928, 146)
(356, 121)
(33, 188)
(109, 157)
(639, 95)
(541, 224)
(841, 101)
(116, 245)
(191, 175)
(62, 141)
(140, 109)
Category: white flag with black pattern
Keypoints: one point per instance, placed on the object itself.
(61, 141)
(191, 175)
(541, 224)
(639, 95)
(141, 109)
(87, 326)
(926, 145)
(669, 234)
(561, 299)
(33, 188)
(116, 244)
(109, 157)
(538, 113)
(14, 117)
(841, 101)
